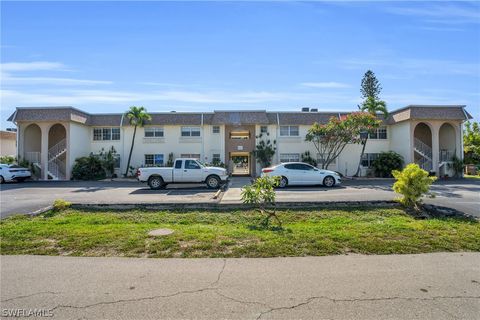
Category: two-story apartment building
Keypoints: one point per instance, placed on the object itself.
(53, 137)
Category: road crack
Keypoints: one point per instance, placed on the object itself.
(30, 295)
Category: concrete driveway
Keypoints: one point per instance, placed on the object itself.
(427, 286)
(30, 196)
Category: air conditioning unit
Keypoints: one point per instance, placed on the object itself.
(305, 109)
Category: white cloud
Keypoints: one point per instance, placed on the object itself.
(441, 13)
(8, 80)
(325, 84)
(31, 66)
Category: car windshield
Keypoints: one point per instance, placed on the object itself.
(14, 166)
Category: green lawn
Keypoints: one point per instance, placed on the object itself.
(471, 176)
(230, 234)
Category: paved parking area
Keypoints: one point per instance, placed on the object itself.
(463, 195)
(30, 196)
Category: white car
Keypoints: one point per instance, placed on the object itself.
(301, 174)
(13, 172)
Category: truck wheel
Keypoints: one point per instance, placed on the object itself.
(156, 183)
(213, 182)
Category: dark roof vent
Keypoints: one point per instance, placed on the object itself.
(173, 111)
(12, 129)
(313, 110)
(305, 109)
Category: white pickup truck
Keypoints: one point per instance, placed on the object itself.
(185, 170)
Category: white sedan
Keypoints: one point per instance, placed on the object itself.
(299, 173)
(13, 172)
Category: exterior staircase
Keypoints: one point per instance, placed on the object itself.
(425, 153)
(56, 167)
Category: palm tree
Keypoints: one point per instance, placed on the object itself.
(137, 117)
(374, 107)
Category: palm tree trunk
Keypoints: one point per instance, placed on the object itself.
(131, 150)
(361, 156)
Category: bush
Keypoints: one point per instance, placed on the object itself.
(262, 195)
(412, 183)
(61, 205)
(386, 163)
(307, 158)
(7, 159)
(88, 168)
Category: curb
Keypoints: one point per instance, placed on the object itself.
(229, 206)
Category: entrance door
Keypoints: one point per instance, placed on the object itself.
(240, 164)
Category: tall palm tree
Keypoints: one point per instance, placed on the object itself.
(137, 117)
(374, 107)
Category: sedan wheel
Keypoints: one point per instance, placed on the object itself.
(2, 180)
(283, 182)
(329, 181)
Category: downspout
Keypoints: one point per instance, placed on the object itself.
(203, 141)
(277, 138)
(123, 143)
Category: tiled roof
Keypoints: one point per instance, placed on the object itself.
(456, 112)
(8, 135)
(425, 112)
(240, 117)
(174, 118)
(305, 118)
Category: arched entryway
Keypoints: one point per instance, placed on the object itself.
(57, 152)
(32, 144)
(447, 142)
(422, 146)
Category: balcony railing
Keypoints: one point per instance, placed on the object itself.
(446, 155)
(33, 157)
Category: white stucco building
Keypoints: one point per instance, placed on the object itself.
(53, 137)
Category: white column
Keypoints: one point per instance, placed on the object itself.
(45, 128)
(435, 148)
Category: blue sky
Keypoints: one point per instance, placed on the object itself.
(192, 56)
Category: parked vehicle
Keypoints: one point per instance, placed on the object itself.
(299, 173)
(13, 172)
(184, 171)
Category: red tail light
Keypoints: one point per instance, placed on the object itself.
(137, 173)
(267, 170)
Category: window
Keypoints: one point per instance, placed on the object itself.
(299, 166)
(379, 133)
(190, 131)
(115, 133)
(216, 129)
(106, 134)
(289, 131)
(153, 160)
(190, 155)
(216, 158)
(289, 157)
(320, 161)
(263, 129)
(191, 164)
(240, 135)
(368, 159)
(153, 132)
(178, 164)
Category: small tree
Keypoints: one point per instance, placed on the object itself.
(331, 138)
(261, 194)
(264, 151)
(386, 162)
(457, 165)
(370, 86)
(471, 143)
(412, 183)
(170, 160)
(137, 117)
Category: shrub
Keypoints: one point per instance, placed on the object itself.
(457, 165)
(262, 195)
(7, 159)
(61, 205)
(88, 168)
(412, 183)
(307, 158)
(264, 151)
(386, 163)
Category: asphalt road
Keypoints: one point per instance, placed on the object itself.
(428, 286)
(463, 195)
